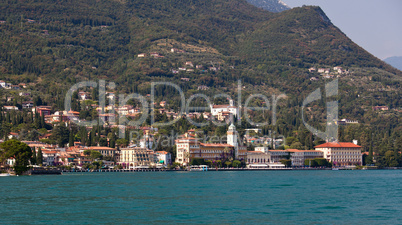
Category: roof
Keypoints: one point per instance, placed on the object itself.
(223, 106)
(186, 140)
(49, 152)
(338, 145)
(101, 148)
(220, 106)
(293, 150)
(216, 145)
(162, 152)
(255, 152)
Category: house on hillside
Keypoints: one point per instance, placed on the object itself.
(9, 108)
(382, 108)
(231, 108)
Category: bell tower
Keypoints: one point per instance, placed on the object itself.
(232, 139)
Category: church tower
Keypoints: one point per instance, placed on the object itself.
(232, 139)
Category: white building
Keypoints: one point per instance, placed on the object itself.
(231, 108)
(189, 148)
(6, 107)
(341, 153)
(131, 158)
(164, 157)
(257, 157)
(263, 149)
(232, 139)
(49, 157)
(295, 155)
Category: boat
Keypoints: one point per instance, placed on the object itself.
(4, 174)
(335, 168)
(199, 168)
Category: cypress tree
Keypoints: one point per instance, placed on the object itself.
(34, 158)
(39, 158)
(71, 139)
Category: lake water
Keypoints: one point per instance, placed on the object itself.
(241, 197)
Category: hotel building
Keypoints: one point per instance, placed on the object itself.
(189, 148)
(341, 153)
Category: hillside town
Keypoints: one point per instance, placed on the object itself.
(252, 150)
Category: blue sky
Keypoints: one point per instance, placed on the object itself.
(375, 25)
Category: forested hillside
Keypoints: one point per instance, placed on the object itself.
(51, 45)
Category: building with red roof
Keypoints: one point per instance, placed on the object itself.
(188, 148)
(341, 153)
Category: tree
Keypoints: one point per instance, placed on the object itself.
(33, 160)
(286, 162)
(296, 145)
(391, 159)
(95, 155)
(197, 161)
(71, 140)
(87, 152)
(39, 158)
(310, 162)
(236, 163)
(121, 142)
(321, 162)
(112, 140)
(20, 151)
(61, 134)
(291, 140)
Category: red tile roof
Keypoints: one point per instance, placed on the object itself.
(220, 106)
(338, 145)
(216, 145)
(101, 148)
(162, 152)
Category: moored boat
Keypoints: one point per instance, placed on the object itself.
(199, 168)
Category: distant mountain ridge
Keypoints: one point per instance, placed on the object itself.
(270, 5)
(101, 39)
(395, 61)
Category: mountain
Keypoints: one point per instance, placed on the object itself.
(270, 5)
(54, 44)
(202, 46)
(395, 61)
(64, 41)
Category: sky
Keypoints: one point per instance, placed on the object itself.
(375, 25)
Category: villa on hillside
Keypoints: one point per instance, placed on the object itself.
(217, 110)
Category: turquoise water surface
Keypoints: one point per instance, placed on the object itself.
(238, 197)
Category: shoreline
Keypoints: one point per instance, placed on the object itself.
(57, 171)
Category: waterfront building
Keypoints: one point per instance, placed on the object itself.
(136, 157)
(105, 151)
(295, 155)
(49, 157)
(258, 157)
(164, 157)
(341, 153)
(188, 148)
